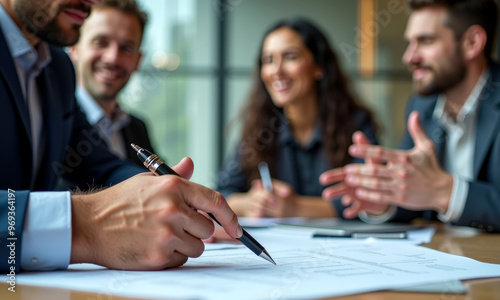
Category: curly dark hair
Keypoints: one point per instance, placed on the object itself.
(337, 106)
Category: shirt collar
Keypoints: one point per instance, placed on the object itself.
(20, 48)
(95, 114)
(89, 106)
(469, 107)
(285, 136)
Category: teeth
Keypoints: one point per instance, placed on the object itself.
(281, 84)
(110, 74)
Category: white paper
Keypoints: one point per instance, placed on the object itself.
(268, 222)
(306, 268)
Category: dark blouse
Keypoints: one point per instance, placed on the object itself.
(300, 166)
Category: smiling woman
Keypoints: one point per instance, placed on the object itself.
(299, 119)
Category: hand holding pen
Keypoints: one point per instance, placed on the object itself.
(158, 167)
(279, 199)
(147, 222)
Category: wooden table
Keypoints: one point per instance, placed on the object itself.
(461, 241)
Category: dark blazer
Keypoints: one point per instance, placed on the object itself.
(482, 208)
(73, 148)
(136, 132)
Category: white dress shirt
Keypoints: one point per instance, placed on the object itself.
(460, 145)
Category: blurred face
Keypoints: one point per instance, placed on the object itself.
(433, 55)
(57, 22)
(288, 69)
(107, 52)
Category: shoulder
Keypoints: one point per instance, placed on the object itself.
(59, 57)
(423, 104)
(495, 69)
(62, 67)
(135, 122)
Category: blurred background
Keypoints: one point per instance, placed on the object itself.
(199, 57)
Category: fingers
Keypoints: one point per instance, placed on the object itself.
(378, 154)
(417, 132)
(184, 168)
(257, 183)
(353, 207)
(220, 236)
(377, 171)
(360, 138)
(167, 258)
(210, 201)
(335, 191)
(282, 189)
(197, 224)
(176, 259)
(332, 176)
(185, 244)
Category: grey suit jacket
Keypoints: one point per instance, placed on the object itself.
(482, 208)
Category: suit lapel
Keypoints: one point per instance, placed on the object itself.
(488, 118)
(433, 129)
(8, 74)
(53, 122)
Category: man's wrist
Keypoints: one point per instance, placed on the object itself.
(456, 201)
(446, 194)
(81, 241)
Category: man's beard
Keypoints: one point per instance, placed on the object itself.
(448, 77)
(38, 23)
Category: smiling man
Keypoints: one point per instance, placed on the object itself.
(450, 168)
(105, 57)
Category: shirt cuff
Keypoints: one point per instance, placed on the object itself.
(457, 200)
(46, 241)
(372, 219)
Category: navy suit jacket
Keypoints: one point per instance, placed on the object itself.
(482, 208)
(72, 147)
(136, 132)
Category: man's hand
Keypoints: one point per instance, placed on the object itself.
(147, 222)
(411, 179)
(353, 204)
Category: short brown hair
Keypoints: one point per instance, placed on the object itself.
(128, 7)
(462, 14)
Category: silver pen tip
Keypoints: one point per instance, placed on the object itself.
(266, 256)
(136, 148)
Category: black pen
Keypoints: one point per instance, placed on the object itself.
(158, 167)
(362, 235)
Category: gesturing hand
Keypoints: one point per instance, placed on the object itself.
(147, 222)
(411, 179)
(353, 204)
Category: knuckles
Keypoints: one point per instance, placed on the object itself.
(168, 209)
(218, 201)
(170, 183)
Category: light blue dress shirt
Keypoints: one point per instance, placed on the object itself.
(109, 128)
